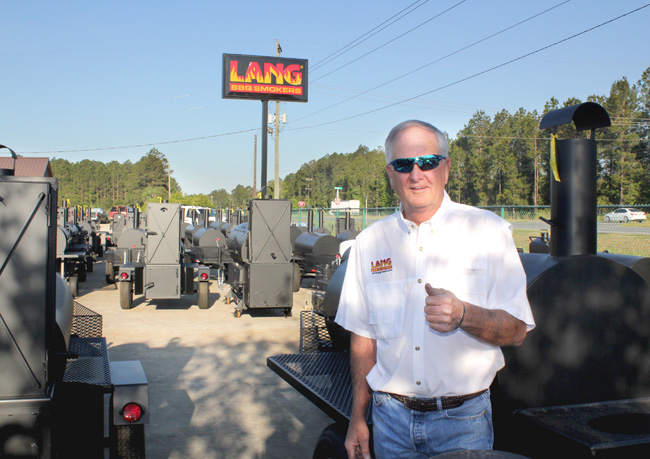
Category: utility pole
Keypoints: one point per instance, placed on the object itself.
(276, 188)
(169, 181)
(255, 168)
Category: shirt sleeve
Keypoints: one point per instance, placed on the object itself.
(508, 283)
(353, 313)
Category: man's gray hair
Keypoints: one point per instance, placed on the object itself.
(443, 145)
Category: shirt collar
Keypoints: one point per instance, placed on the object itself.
(406, 224)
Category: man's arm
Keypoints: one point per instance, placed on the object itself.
(363, 356)
(495, 326)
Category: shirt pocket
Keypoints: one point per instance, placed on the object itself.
(468, 281)
(387, 308)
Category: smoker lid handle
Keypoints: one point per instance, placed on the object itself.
(548, 222)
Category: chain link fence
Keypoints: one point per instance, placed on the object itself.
(621, 237)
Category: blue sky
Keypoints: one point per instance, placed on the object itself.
(109, 80)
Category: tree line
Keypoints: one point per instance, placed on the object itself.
(500, 159)
(99, 184)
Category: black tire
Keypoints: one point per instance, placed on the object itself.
(204, 295)
(625, 219)
(73, 282)
(128, 442)
(126, 295)
(331, 443)
(90, 264)
(110, 273)
(81, 274)
(607, 219)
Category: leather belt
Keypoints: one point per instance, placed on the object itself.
(431, 404)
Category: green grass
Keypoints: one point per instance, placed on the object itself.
(624, 244)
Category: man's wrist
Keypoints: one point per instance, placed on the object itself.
(462, 317)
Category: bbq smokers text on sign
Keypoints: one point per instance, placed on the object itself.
(264, 78)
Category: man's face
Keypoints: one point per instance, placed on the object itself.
(421, 192)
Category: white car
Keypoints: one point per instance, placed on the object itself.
(625, 214)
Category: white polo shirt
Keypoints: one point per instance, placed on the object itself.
(465, 250)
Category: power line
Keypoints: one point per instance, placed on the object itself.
(143, 144)
(478, 73)
(390, 41)
(495, 137)
(350, 46)
(435, 61)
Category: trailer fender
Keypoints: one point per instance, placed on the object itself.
(203, 273)
(130, 386)
(132, 272)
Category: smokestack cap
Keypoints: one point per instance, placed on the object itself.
(588, 115)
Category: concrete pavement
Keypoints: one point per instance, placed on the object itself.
(211, 393)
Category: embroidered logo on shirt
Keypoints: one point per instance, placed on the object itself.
(381, 266)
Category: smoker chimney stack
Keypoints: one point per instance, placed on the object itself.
(573, 180)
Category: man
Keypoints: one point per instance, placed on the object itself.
(430, 294)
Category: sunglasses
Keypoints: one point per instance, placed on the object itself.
(425, 163)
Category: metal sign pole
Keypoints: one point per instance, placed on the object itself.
(265, 128)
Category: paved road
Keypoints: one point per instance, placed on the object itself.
(617, 228)
(211, 394)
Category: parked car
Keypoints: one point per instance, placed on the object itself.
(119, 210)
(97, 214)
(625, 214)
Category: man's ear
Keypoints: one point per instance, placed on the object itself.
(389, 170)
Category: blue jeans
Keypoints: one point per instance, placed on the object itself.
(399, 432)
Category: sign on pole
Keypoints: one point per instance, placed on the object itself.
(264, 78)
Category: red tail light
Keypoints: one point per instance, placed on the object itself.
(204, 276)
(132, 412)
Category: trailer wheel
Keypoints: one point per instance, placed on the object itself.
(204, 295)
(126, 295)
(73, 282)
(128, 442)
(110, 273)
(81, 271)
(331, 444)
